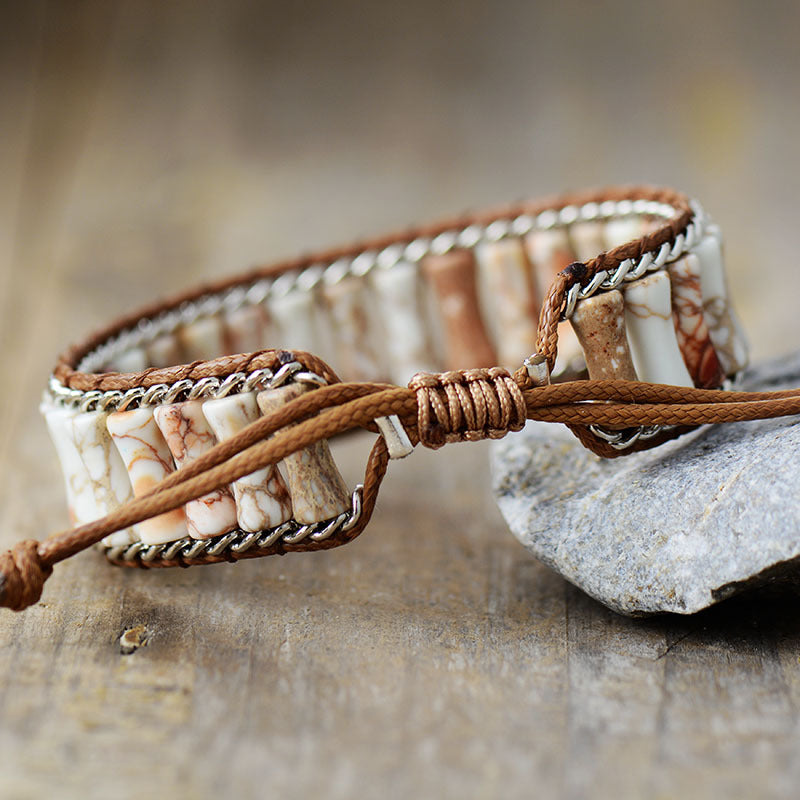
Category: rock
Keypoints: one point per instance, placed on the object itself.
(677, 528)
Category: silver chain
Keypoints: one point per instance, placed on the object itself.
(203, 388)
(622, 440)
(238, 542)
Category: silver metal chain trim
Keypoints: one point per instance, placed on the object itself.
(203, 388)
(622, 440)
(237, 542)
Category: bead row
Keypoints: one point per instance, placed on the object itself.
(110, 457)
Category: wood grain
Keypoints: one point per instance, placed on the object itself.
(148, 145)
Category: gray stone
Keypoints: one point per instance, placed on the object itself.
(676, 528)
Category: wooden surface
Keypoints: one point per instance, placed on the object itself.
(146, 145)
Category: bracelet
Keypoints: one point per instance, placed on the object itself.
(184, 441)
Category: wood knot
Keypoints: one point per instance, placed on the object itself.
(467, 405)
(22, 575)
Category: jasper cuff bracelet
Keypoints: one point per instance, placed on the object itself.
(196, 430)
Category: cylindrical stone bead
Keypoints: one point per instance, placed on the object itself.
(587, 239)
(397, 290)
(262, 498)
(651, 332)
(95, 477)
(347, 302)
(694, 340)
(599, 323)
(202, 340)
(247, 329)
(549, 252)
(165, 351)
(188, 436)
(511, 296)
(467, 343)
(621, 230)
(724, 327)
(316, 486)
(133, 360)
(148, 461)
(295, 317)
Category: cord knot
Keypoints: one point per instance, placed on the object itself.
(22, 575)
(467, 405)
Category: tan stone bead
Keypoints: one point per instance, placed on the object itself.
(511, 295)
(247, 329)
(599, 323)
(165, 351)
(467, 343)
(316, 486)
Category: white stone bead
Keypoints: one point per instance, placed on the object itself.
(189, 436)
(247, 329)
(694, 340)
(398, 293)
(651, 332)
(588, 239)
(621, 230)
(96, 479)
(724, 328)
(133, 360)
(295, 316)
(148, 461)
(262, 499)
(511, 297)
(204, 339)
(347, 302)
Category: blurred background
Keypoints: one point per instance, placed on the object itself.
(145, 145)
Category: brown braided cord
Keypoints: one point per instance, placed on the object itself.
(23, 571)
(467, 406)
